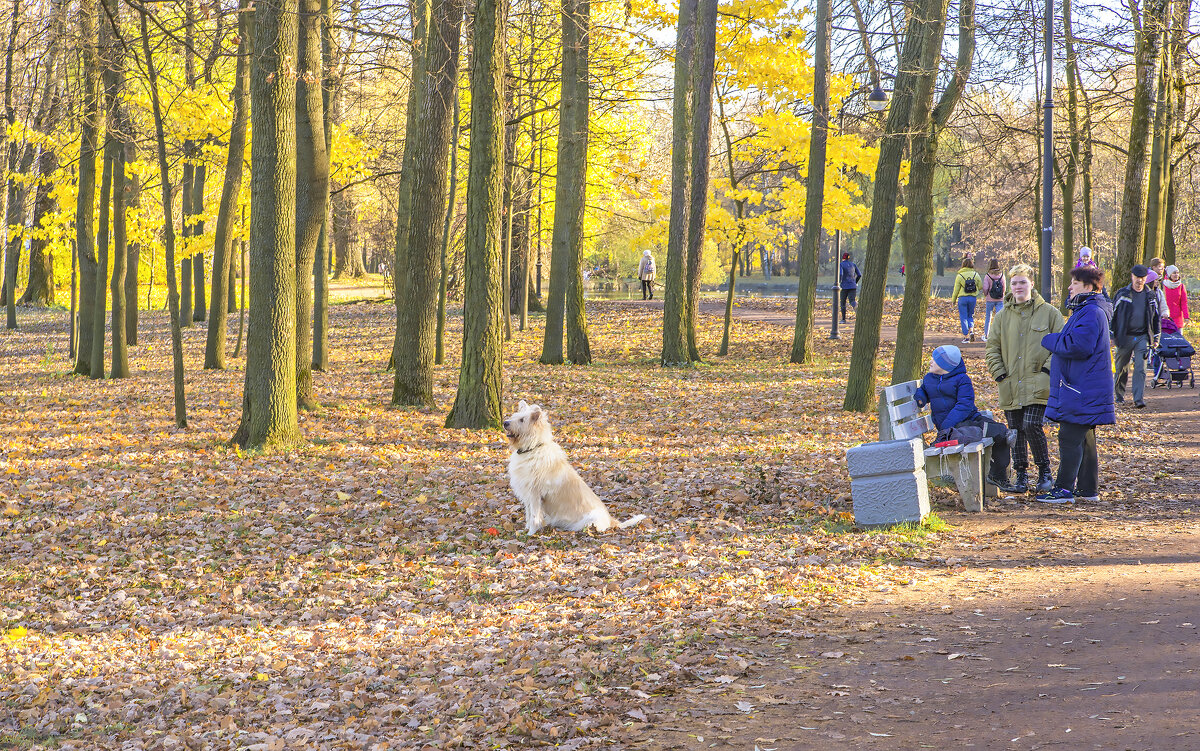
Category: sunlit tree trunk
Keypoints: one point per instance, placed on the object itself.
(918, 228)
(477, 403)
(1148, 32)
(860, 386)
(416, 324)
(223, 244)
(704, 63)
(12, 252)
(320, 334)
(85, 197)
(675, 318)
(570, 197)
(269, 415)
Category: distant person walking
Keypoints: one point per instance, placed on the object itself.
(1086, 259)
(848, 278)
(1081, 394)
(1177, 297)
(1020, 366)
(1135, 328)
(994, 289)
(646, 274)
(968, 287)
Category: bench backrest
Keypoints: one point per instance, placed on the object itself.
(900, 417)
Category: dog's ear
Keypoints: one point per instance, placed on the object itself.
(537, 414)
(521, 405)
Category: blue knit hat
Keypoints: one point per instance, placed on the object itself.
(947, 357)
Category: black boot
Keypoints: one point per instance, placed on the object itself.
(1045, 480)
(1004, 485)
(1022, 481)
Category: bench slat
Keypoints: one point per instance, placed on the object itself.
(913, 428)
(903, 411)
(898, 391)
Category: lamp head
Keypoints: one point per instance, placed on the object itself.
(877, 100)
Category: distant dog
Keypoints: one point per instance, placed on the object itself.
(552, 491)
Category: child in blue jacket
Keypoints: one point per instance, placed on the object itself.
(948, 391)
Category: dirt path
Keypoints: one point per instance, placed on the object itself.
(1031, 627)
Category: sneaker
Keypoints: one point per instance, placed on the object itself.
(1140, 405)
(1058, 495)
(1022, 481)
(1119, 399)
(966, 341)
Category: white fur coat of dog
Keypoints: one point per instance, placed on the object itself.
(544, 481)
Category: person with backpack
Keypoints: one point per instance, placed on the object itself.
(646, 274)
(848, 277)
(994, 287)
(968, 287)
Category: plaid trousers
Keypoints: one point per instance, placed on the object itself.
(1028, 422)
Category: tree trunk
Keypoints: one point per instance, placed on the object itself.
(675, 310)
(269, 416)
(200, 304)
(814, 201)
(417, 319)
(320, 349)
(1160, 159)
(477, 403)
(12, 251)
(312, 189)
(570, 195)
(222, 287)
(918, 227)
(420, 18)
(860, 387)
(185, 266)
(1148, 35)
(704, 62)
(168, 229)
(439, 356)
(119, 136)
(85, 197)
(101, 298)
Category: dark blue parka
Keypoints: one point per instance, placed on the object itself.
(1081, 377)
(950, 396)
(849, 275)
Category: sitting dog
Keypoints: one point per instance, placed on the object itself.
(552, 491)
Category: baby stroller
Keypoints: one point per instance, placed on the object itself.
(1171, 361)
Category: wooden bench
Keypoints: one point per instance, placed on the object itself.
(901, 418)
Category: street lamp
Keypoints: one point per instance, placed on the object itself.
(877, 100)
(1048, 154)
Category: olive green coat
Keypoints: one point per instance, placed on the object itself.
(1015, 355)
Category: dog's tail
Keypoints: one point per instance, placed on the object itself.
(632, 521)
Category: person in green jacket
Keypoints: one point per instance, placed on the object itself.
(1021, 366)
(968, 287)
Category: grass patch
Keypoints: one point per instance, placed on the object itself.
(910, 531)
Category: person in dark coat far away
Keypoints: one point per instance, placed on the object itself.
(848, 277)
(1081, 387)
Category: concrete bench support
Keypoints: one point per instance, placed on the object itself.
(888, 482)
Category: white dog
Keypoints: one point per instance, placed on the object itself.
(553, 492)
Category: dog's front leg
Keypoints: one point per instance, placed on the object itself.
(535, 517)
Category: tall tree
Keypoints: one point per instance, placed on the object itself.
(675, 310)
(814, 199)
(119, 136)
(168, 231)
(320, 348)
(222, 289)
(477, 403)
(269, 416)
(312, 188)
(923, 25)
(570, 195)
(1148, 32)
(416, 321)
(102, 239)
(13, 247)
(703, 72)
(918, 227)
(85, 195)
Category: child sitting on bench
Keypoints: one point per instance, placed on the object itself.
(948, 391)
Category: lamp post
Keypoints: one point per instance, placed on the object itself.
(1048, 154)
(877, 101)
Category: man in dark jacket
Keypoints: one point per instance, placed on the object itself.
(1135, 327)
(948, 391)
(848, 276)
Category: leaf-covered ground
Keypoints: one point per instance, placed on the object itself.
(373, 588)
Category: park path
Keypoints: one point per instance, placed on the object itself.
(1031, 627)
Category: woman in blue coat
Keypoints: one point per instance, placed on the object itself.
(1081, 387)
